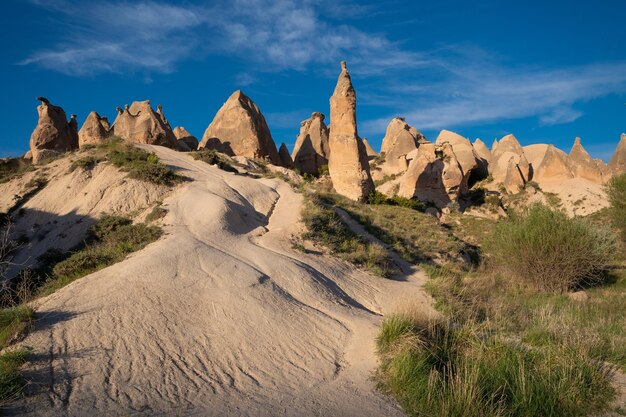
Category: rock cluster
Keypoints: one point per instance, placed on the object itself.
(239, 128)
(139, 123)
(53, 134)
(400, 140)
(348, 165)
(311, 150)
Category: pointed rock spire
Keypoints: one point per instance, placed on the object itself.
(617, 163)
(371, 153)
(185, 139)
(553, 167)
(285, 158)
(582, 164)
(53, 134)
(348, 166)
(239, 128)
(311, 150)
(94, 130)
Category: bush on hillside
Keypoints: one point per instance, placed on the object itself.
(552, 252)
(616, 190)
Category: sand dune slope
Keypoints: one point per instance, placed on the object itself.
(220, 317)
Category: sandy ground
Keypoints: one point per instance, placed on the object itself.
(220, 317)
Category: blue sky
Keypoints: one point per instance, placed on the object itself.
(546, 71)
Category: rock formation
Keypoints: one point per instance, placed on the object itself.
(483, 157)
(434, 175)
(371, 153)
(509, 148)
(285, 158)
(140, 124)
(348, 166)
(582, 165)
(553, 167)
(617, 163)
(311, 150)
(514, 181)
(240, 129)
(185, 139)
(463, 151)
(94, 130)
(400, 139)
(53, 134)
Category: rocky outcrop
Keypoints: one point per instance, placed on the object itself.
(184, 139)
(139, 123)
(513, 181)
(507, 149)
(617, 163)
(553, 167)
(94, 130)
(400, 139)
(53, 134)
(483, 157)
(311, 150)
(240, 129)
(348, 166)
(508, 143)
(371, 153)
(582, 165)
(434, 175)
(285, 158)
(463, 151)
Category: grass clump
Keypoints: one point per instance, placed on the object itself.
(212, 157)
(616, 191)
(441, 368)
(108, 242)
(157, 213)
(86, 163)
(327, 228)
(552, 252)
(11, 380)
(11, 168)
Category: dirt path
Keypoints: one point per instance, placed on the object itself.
(219, 317)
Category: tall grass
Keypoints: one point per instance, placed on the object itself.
(551, 251)
(616, 191)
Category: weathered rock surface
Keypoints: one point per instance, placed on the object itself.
(508, 143)
(184, 137)
(239, 128)
(311, 150)
(514, 180)
(553, 167)
(400, 139)
(463, 151)
(141, 124)
(582, 165)
(94, 130)
(348, 166)
(483, 157)
(617, 163)
(285, 158)
(371, 153)
(53, 134)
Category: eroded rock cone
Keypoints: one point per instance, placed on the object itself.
(285, 158)
(508, 147)
(240, 129)
(400, 139)
(582, 164)
(94, 130)
(463, 151)
(371, 153)
(141, 124)
(348, 166)
(483, 156)
(617, 163)
(53, 134)
(553, 167)
(185, 139)
(514, 180)
(311, 150)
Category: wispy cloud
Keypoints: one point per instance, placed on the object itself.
(119, 36)
(482, 91)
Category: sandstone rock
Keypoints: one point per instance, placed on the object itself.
(434, 176)
(463, 151)
(553, 167)
(94, 130)
(285, 158)
(483, 157)
(535, 154)
(524, 168)
(53, 134)
(617, 163)
(183, 136)
(582, 165)
(141, 124)
(348, 166)
(494, 145)
(28, 155)
(508, 143)
(371, 153)
(239, 128)
(399, 140)
(513, 180)
(311, 150)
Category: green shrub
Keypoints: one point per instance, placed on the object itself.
(552, 252)
(86, 163)
(157, 213)
(616, 190)
(376, 197)
(212, 157)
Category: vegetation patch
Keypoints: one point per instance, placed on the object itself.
(11, 168)
(86, 163)
(109, 241)
(212, 157)
(326, 227)
(616, 191)
(11, 380)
